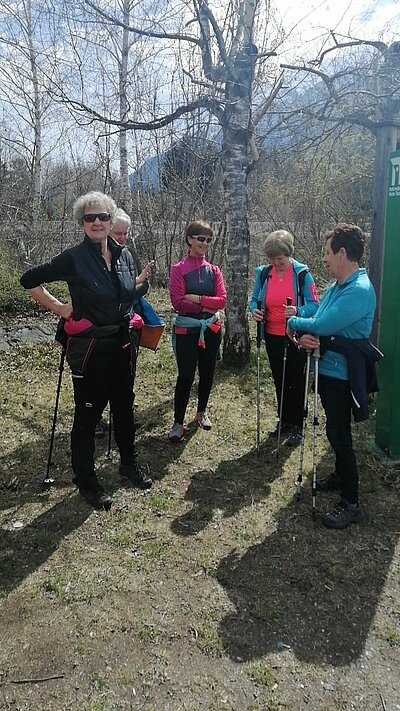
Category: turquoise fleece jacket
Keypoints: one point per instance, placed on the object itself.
(347, 310)
(307, 301)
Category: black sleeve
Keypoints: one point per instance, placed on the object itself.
(61, 268)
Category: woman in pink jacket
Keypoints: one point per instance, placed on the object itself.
(197, 292)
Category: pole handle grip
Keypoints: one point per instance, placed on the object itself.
(289, 301)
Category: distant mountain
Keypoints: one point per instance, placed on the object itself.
(148, 175)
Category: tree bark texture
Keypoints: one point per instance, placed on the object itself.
(235, 162)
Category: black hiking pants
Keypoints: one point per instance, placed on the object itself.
(293, 394)
(188, 355)
(337, 402)
(108, 378)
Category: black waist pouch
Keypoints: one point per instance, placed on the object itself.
(80, 348)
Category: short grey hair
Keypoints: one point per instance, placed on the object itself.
(121, 216)
(92, 199)
(279, 242)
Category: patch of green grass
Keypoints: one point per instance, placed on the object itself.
(209, 641)
(23, 452)
(40, 539)
(156, 550)
(56, 585)
(121, 538)
(390, 634)
(262, 674)
(149, 633)
(268, 609)
(212, 614)
(162, 501)
(80, 649)
(100, 683)
(97, 705)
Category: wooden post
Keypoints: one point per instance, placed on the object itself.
(387, 136)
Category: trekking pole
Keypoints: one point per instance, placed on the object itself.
(109, 431)
(258, 343)
(304, 425)
(48, 480)
(285, 351)
(316, 354)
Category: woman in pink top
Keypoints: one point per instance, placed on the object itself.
(284, 277)
(197, 292)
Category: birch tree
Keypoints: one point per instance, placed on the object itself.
(218, 56)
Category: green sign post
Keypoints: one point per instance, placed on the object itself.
(387, 434)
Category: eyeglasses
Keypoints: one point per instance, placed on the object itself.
(91, 217)
(202, 238)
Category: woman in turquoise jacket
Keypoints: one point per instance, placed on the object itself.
(346, 311)
(281, 279)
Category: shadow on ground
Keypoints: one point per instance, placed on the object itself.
(36, 518)
(314, 589)
(234, 485)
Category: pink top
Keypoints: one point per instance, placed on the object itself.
(194, 275)
(275, 301)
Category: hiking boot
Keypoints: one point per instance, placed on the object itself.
(342, 515)
(177, 433)
(137, 473)
(98, 498)
(284, 429)
(202, 420)
(294, 438)
(329, 483)
(100, 431)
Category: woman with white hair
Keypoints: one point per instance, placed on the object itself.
(120, 228)
(101, 279)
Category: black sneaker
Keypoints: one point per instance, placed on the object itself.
(98, 498)
(294, 438)
(342, 515)
(137, 473)
(329, 483)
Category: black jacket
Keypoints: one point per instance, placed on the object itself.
(362, 357)
(103, 297)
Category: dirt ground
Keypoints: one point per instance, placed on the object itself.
(215, 589)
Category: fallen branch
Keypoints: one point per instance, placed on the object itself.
(33, 681)
(382, 701)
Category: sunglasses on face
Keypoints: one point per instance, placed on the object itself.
(103, 217)
(202, 238)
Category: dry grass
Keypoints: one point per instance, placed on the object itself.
(214, 590)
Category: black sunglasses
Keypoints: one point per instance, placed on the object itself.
(103, 217)
(202, 238)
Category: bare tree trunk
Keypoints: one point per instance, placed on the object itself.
(37, 123)
(235, 161)
(125, 197)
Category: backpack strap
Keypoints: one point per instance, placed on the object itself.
(265, 272)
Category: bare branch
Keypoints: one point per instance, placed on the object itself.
(262, 110)
(203, 102)
(204, 10)
(207, 85)
(328, 81)
(380, 46)
(145, 33)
